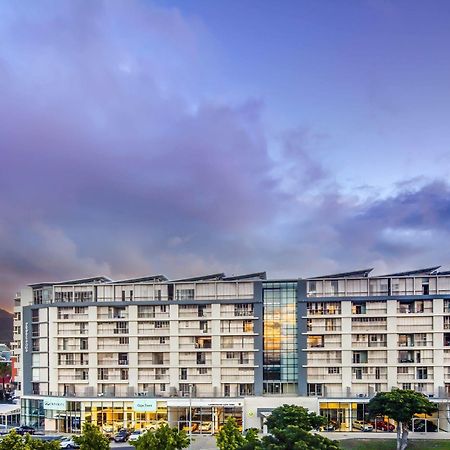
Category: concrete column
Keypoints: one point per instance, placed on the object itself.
(392, 344)
(174, 348)
(215, 347)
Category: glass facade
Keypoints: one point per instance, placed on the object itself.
(352, 416)
(111, 416)
(280, 372)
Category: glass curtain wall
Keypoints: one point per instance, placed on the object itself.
(280, 338)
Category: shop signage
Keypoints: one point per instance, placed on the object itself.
(55, 403)
(26, 337)
(145, 405)
(198, 403)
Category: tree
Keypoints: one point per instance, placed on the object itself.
(5, 371)
(286, 415)
(290, 428)
(400, 405)
(229, 437)
(163, 438)
(91, 438)
(14, 441)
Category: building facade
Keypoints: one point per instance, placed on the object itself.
(140, 352)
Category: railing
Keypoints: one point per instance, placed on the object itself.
(71, 347)
(151, 362)
(75, 362)
(326, 312)
(153, 315)
(72, 331)
(73, 316)
(112, 316)
(416, 344)
(369, 344)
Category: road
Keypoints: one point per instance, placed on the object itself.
(199, 443)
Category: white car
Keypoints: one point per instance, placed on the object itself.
(135, 435)
(68, 442)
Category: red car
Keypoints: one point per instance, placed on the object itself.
(382, 425)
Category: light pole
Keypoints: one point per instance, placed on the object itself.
(190, 415)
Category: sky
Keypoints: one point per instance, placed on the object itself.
(192, 137)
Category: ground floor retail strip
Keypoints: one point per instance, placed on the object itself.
(67, 416)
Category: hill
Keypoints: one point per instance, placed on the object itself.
(6, 327)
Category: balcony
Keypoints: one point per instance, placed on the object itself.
(112, 316)
(73, 317)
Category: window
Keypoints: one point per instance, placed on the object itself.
(203, 325)
(334, 370)
(422, 373)
(406, 386)
(226, 390)
(83, 344)
(359, 308)
(163, 308)
(360, 357)
(162, 340)
(247, 326)
(185, 294)
(124, 374)
(35, 315)
(162, 324)
(202, 371)
(315, 390)
(201, 358)
(246, 389)
(315, 341)
(124, 340)
(202, 342)
(334, 284)
(402, 370)
(162, 387)
(243, 309)
(121, 328)
(183, 373)
(158, 358)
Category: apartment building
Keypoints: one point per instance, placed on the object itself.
(371, 334)
(139, 352)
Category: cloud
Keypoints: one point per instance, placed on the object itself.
(109, 167)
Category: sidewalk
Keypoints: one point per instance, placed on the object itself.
(338, 436)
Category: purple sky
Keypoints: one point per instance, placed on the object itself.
(297, 137)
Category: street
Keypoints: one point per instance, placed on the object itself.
(198, 443)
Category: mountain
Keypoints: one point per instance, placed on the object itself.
(6, 327)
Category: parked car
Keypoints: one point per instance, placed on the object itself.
(205, 426)
(186, 427)
(382, 425)
(24, 429)
(135, 435)
(419, 426)
(157, 424)
(361, 425)
(68, 442)
(121, 436)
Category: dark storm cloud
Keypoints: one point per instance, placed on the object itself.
(108, 167)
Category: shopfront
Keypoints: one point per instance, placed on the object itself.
(67, 415)
(354, 416)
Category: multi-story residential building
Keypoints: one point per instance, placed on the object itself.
(134, 353)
